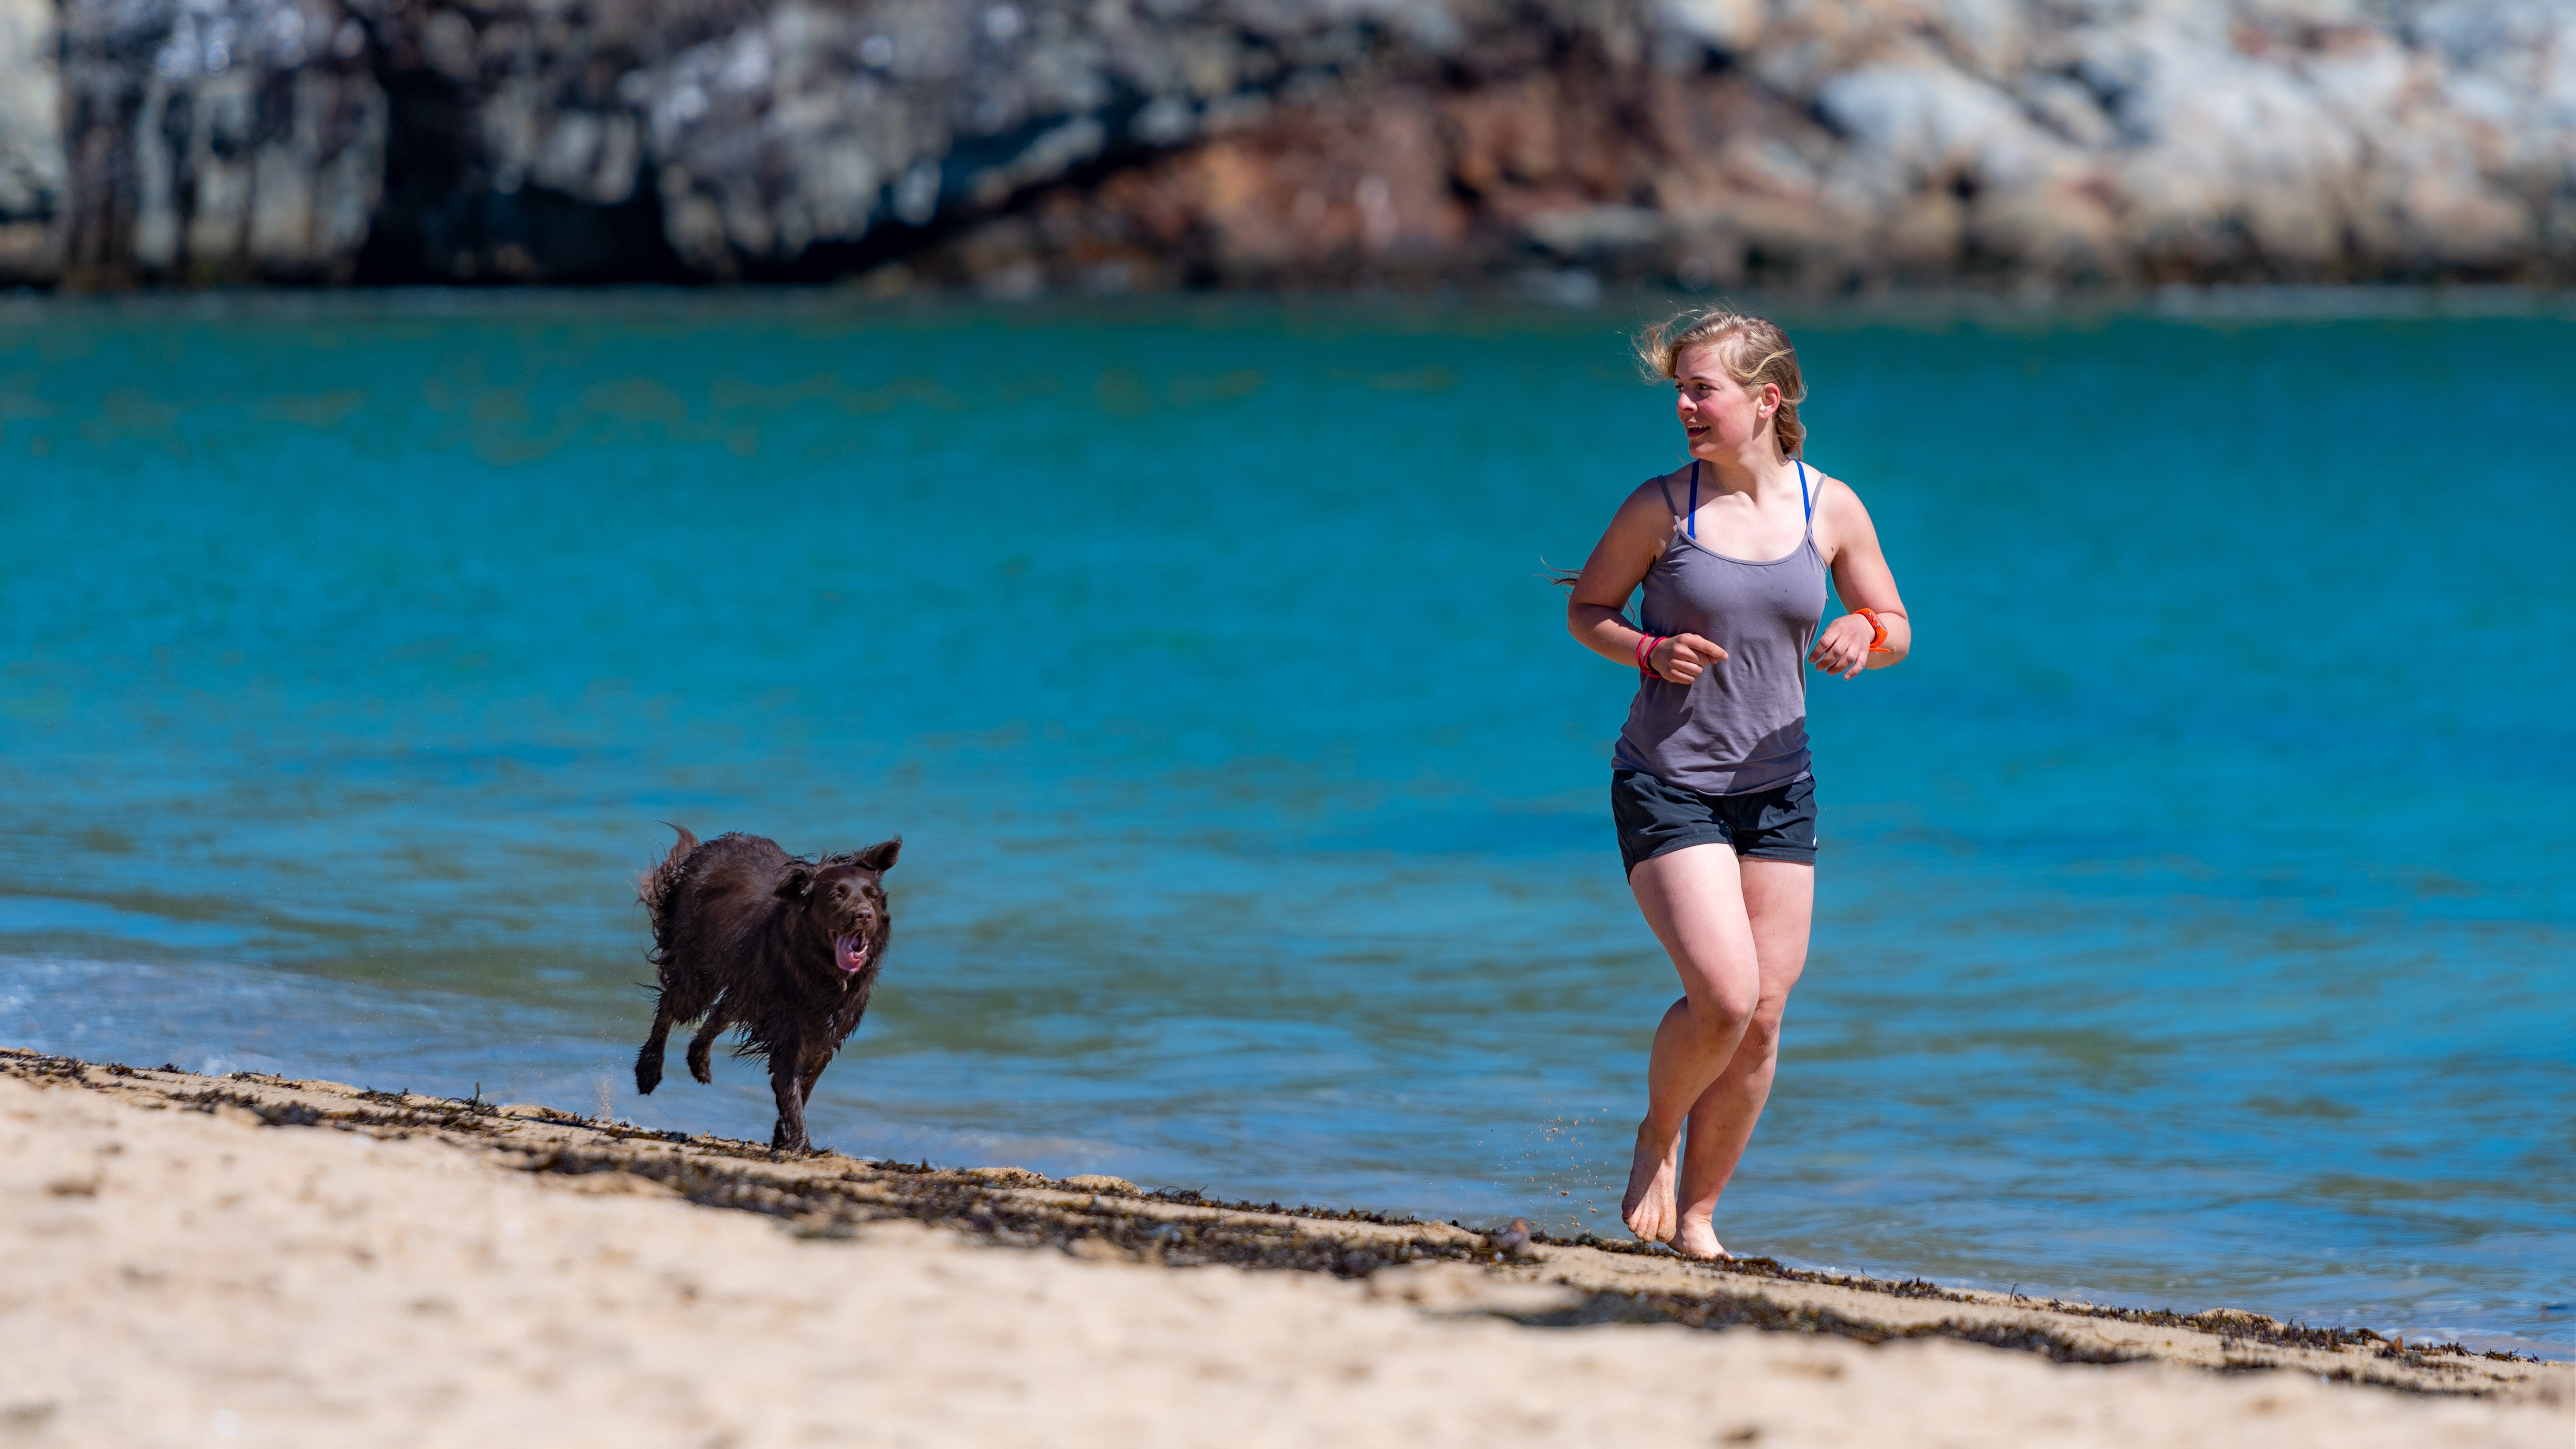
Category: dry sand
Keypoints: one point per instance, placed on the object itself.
(242, 1260)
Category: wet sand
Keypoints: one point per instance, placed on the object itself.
(255, 1261)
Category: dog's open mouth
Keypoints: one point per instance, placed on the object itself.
(850, 953)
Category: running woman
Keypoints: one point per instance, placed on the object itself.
(1709, 785)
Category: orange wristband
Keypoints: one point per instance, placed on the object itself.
(1878, 632)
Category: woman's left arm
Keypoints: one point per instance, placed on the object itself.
(1861, 576)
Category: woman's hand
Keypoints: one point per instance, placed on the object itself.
(1843, 647)
(1680, 658)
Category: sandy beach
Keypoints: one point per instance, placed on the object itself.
(256, 1261)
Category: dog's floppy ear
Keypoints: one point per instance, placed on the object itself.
(879, 857)
(797, 883)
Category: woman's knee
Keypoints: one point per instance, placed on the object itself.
(1762, 1031)
(1729, 1004)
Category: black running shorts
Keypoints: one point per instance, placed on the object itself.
(1656, 817)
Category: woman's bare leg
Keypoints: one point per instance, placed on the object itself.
(1693, 899)
(1779, 903)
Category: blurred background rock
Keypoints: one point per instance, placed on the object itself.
(1114, 145)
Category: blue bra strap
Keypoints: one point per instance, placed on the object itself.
(1804, 501)
(1690, 520)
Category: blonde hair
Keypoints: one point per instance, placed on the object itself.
(1753, 350)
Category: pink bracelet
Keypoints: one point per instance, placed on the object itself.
(1647, 644)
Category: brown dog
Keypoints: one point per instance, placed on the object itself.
(787, 949)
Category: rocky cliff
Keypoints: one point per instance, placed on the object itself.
(1113, 144)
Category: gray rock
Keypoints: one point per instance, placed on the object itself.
(211, 140)
(31, 142)
(1102, 145)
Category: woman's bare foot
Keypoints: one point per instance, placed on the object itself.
(1649, 1209)
(1697, 1238)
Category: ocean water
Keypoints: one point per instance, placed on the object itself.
(2195, 917)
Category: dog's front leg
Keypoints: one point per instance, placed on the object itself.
(813, 1073)
(784, 1084)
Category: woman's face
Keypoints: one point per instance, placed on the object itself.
(1718, 413)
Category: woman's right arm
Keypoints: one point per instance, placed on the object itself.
(1634, 540)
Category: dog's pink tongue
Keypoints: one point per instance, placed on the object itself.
(851, 952)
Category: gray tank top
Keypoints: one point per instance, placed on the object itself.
(1742, 725)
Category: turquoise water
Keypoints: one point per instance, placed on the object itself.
(2195, 916)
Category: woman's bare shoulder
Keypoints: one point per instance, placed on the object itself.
(1659, 496)
(1835, 496)
(1660, 486)
(1629, 546)
(1644, 504)
(1840, 515)
(1828, 486)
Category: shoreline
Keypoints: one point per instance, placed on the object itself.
(317, 1256)
(1964, 301)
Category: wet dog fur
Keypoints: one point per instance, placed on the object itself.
(746, 935)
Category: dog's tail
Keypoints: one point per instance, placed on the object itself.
(653, 887)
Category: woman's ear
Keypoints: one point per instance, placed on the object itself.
(797, 883)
